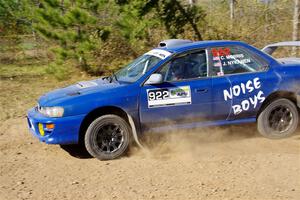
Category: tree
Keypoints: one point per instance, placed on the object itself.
(172, 14)
(76, 27)
(79, 28)
(15, 17)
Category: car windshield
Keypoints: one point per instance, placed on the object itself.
(133, 71)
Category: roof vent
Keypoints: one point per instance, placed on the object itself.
(173, 43)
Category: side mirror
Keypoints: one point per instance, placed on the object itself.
(154, 79)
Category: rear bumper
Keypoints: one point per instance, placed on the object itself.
(66, 130)
(298, 100)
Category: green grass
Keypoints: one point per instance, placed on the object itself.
(11, 71)
(28, 45)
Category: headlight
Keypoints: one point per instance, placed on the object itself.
(52, 111)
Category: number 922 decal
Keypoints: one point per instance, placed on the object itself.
(169, 96)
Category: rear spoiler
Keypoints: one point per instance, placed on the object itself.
(269, 49)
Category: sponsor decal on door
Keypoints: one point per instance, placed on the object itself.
(169, 96)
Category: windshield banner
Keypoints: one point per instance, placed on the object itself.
(162, 54)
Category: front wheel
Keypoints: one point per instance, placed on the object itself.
(279, 119)
(107, 137)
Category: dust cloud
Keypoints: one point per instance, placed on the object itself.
(191, 142)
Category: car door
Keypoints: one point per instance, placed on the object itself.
(239, 80)
(184, 96)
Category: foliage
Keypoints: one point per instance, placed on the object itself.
(60, 72)
(15, 16)
(80, 28)
(74, 26)
(140, 20)
(102, 35)
(256, 22)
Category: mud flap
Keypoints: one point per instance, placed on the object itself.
(134, 132)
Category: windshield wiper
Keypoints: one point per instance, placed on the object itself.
(105, 77)
(113, 76)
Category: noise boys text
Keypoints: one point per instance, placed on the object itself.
(251, 102)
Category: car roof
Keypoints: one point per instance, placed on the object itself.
(199, 44)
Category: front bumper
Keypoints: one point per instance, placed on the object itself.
(298, 100)
(66, 130)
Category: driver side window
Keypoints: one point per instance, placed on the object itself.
(184, 67)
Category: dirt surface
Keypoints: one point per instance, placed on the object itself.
(214, 163)
(227, 165)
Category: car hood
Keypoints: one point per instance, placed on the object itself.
(80, 88)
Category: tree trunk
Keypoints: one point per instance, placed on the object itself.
(190, 20)
(231, 5)
(296, 26)
(191, 2)
(267, 21)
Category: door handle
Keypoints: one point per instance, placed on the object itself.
(201, 90)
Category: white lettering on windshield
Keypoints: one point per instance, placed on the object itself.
(160, 53)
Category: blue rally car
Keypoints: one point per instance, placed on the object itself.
(179, 85)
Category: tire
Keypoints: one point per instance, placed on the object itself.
(278, 120)
(107, 137)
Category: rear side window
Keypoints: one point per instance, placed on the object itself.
(234, 60)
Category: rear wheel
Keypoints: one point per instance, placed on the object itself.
(107, 137)
(279, 119)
